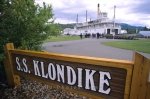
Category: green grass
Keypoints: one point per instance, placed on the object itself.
(136, 45)
(62, 38)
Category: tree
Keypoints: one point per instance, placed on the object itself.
(145, 29)
(131, 31)
(25, 23)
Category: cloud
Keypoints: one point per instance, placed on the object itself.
(63, 20)
(71, 15)
(141, 13)
(134, 12)
(142, 7)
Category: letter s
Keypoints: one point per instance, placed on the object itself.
(18, 64)
(25, 65)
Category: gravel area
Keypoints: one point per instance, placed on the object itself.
(36, 90)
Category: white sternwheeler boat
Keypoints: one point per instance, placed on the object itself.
(101, 25)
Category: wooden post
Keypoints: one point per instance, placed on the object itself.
(148, 92)
(140, 77)
(12, 79)
(148, 89)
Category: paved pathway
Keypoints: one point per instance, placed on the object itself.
(89, 47)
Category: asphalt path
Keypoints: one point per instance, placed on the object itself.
(90, 47)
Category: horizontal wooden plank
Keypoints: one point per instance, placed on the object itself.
(82, 59)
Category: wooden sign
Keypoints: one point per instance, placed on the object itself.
(97, 78)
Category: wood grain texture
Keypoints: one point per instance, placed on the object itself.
(140, 77)
(81, 59)
(121, 70)
(148, 92)
(8, 65)
(148, 88)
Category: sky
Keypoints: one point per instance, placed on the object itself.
(133, 12)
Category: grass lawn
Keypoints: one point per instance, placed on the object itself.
(137, 45)
(62, 38)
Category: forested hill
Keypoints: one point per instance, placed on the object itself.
(123, 26)
(63, 26)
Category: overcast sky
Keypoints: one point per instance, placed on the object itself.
(133, 12)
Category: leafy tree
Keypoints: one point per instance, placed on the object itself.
(145, 29)
(131, 31)
(25, 23)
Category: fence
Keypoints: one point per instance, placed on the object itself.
(98, 78)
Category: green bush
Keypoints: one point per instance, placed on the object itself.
(109, 36)
(2, 72)
(26, 24)
(127, 37)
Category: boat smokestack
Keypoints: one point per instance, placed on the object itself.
(114, 15)
(114, 12)
(77, 19)
(86, 15)
(98, 10)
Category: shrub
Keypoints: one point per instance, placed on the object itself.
(109, 36)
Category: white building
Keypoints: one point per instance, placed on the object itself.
(145, 33)
(124, 32)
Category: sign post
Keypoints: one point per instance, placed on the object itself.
(140, 77)
(12, 79)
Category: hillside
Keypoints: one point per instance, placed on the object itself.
(125, 26)
(63, 26)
